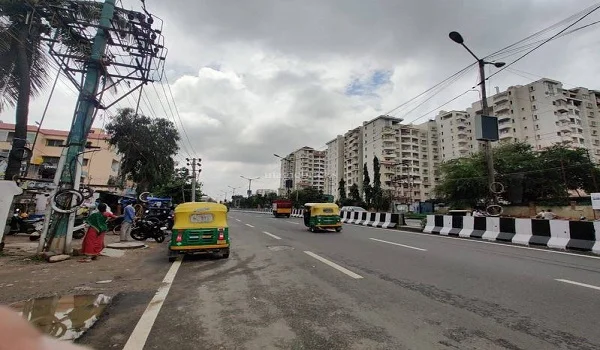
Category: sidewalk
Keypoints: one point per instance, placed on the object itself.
(24, 276)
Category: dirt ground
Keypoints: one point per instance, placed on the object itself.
(24, 276)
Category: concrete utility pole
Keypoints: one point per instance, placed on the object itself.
(84, 117)
(457, 38)
(194, 162)
(93, 68)
(249, 183)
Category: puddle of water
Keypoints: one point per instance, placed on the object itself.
(63, 317)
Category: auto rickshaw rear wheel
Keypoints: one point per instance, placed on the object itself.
(226, 254)
(338, 229)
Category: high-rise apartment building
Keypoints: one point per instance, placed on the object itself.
(408, 157)
(353, 158)
(334, 166)
(305, 167)
(541, 113)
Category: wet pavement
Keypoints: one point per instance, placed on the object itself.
(63, 317)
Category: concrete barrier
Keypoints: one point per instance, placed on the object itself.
(364, 218)
(559, 234)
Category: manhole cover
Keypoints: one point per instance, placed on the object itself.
(279, 247)
(126, 245)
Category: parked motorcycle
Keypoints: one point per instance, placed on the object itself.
(21, 225)
(162, 215)
(144, 229)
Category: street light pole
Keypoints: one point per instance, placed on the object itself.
(249, 183)
(457, 38)
(293, 175)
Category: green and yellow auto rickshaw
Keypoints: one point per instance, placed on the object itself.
(322, 216)
(200, 227)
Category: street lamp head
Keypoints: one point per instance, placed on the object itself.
(456, 37)
(499, 64)
(277, 155)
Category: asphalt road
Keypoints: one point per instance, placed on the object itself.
(364, 288)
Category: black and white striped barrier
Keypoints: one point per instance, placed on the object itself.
(560, 234)
(297, 213)
(383, 220)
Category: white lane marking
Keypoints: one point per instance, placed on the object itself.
(334, 265)
(139, 336)
(238, 220)
(484, 242)
(272, 235)
(249, 225)
(398, 244)
(578, 284)
(291, 222)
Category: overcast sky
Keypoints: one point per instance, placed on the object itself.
(252, 78)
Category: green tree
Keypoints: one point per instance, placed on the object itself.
(342, 189)
(23, 61)
(178, 187)
(355, 193)
(148, 146)
(307, 195)
(377, 193)
(367, 188)
(463, 181)
(526, 175)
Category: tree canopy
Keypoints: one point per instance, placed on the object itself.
(148, 146)
(526, 175)
(178, 187)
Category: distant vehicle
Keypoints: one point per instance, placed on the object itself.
(282, 207)
(352, 208)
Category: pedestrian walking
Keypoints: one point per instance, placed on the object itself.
(128, 219)
(93, 242)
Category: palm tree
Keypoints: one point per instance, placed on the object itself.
(23, 25)
(22, 72)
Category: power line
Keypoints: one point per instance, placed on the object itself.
(177, 110)
(544, 42)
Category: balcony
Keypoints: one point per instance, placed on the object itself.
(462, 132)
(500, 98)
(389, 146)
(562, 107)
(502, 108)
(504, 118)
(388, 131)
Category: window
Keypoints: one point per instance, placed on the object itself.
(535, 117)
(534, 107)
(54, 143)
(532, 97)
(537, 127)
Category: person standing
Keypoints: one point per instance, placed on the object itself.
(128, 219)
(93, 242)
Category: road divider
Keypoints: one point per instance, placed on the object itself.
(398, 244)
(559, 234)
(334, 265)
(382, 220)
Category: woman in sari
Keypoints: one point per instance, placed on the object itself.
(93, 242)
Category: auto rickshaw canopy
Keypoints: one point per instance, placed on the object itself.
(322, 208)
(200, 215)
